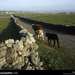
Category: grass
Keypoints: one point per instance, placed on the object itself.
(57, 19)
(4, 15)
(55, 58)
(61, 19)
(7, 29)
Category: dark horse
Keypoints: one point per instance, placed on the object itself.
(52, 37)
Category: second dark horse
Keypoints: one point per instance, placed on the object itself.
(52, 37)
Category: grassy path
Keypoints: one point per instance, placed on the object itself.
(55, 58)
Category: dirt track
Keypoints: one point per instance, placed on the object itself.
(64, 39)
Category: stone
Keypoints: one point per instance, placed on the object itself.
(21, 63)
(25, 48)
(22, 27)
(32, 39)
(31, 35)
(23, 39)
(17, 41)
(9, 42)
(18, 46)
(27, 43)
(27, 67)
(24, 34)
(20, 53)
(41, 68)
(26, 40)
(9, 45)
(2, 44)
(26, 52)
(5, 66)
(3, 48)
(14, 63)
(17, 67)
(2, 53)
(11, 55)
(35, 60)
(41, 63)
(17, 61)
(34, 46)
(23, 30)
(2, 61)
(26, 60)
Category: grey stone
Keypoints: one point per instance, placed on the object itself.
(41, 68)
(27, 42)
(23, 34)
(5, 66)
(17, 67)
(3, 48)
(9, 45)
(2, 61)
(2, 44)
(18, 46)
(25, 48)
(17, 41)
(41, 63)
(32, 39)
(23, 39)
(15, 62)
(34, 46)
(31, 35)
(2, 53)
(34, 58)
(23, 30)
(11, 55)
(9, 41)
(20, 53)
(21, 27)
(26, 52)
(27, 67)
(19, 61)
(26, 60)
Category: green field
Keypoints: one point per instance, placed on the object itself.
(54, 58)
(5, 15)
(62, 19)
(57, 19)
(7, 30)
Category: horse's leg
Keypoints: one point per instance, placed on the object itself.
(58, 42)
(42, 37)
(38, 36)
(48, 40)
(54, 42)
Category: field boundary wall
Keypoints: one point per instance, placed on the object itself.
(62, 28)
(20, 54)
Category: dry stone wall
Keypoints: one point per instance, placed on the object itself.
(62, 28)
(20, 54)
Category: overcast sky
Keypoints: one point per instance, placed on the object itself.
(37, 5)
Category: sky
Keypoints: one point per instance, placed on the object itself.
(37, 5)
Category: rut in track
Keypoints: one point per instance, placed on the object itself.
(64, 39)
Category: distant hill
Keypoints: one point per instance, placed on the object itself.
(32, 12)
